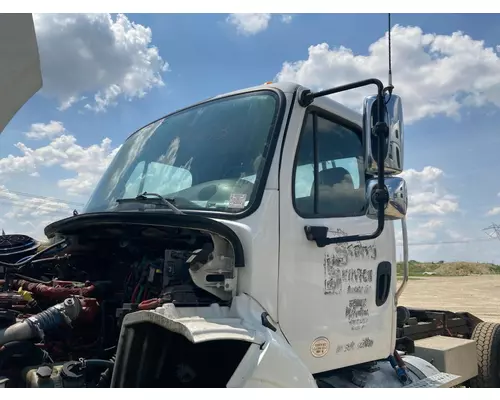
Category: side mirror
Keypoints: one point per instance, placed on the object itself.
(397, 206)
(393, 150)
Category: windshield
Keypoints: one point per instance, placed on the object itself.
(208, 157)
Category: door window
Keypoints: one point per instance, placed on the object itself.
(329, 169)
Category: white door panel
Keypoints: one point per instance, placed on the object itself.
(328, 307)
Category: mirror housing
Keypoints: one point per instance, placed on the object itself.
(394, 149)
(397, 206)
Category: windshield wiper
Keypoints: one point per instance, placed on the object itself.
(143, 197)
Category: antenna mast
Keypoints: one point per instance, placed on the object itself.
(390, 58)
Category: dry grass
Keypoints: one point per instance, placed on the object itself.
(441, 268)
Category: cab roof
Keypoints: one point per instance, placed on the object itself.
(290, 87)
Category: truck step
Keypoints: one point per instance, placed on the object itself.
(440, 380)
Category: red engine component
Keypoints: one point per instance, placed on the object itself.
(12, 300)
(56, 290)
(149, 304)
(90, 308)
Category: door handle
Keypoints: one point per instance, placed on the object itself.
(383, 283)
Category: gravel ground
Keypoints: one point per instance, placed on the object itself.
(479, 295)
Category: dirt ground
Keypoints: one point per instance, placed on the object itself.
(479, 295)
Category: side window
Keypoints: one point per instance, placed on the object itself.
(329, 174)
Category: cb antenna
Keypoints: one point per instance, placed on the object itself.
(390, 87)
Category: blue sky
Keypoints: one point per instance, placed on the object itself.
(445, 67)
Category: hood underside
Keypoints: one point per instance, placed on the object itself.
(20, 72)
(79, 223)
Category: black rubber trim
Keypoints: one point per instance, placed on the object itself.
(74, 224)
(285, 132)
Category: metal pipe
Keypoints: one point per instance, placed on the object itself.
(406, 269)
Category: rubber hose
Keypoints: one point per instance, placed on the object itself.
(26, 349)
(95, 363)
(45, 320)
(399, 360)
(105, 380)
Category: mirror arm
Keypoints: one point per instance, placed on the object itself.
(319, 234)
(307, 97)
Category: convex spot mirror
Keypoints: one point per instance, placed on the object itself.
(397, 206)
(393, 151)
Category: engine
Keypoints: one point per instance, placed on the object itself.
(61, 310)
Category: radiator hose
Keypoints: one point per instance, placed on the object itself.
(36, 325)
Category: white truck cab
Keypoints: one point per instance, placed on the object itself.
(245, 241)
(291, 182)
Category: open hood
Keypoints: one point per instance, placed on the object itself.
(20, 73)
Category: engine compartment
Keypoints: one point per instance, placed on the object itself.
(104, 272)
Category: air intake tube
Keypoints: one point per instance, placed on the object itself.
(36, 325)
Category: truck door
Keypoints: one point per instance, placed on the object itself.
(335, 304)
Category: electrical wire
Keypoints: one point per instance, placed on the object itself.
(43, 208)
(19, 265)
(449, 242)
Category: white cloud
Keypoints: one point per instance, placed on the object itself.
(97, 56)
(252, 23)
(432, 224)
(45, 131)
(249, 24)
(38, 207)
(88, 163)
(420, 232)
(427, 195)
(5, 194)
(29, 215)
(494, 211)
(455, 235)
(434, 74)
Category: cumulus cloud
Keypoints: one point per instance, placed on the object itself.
(29, 214)
(427, 195)
(249, 24)
(88, 163)
(97, 59)
(252, 23)
(38, 207)
(434, 74)
(432, 224)
(40, 131)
